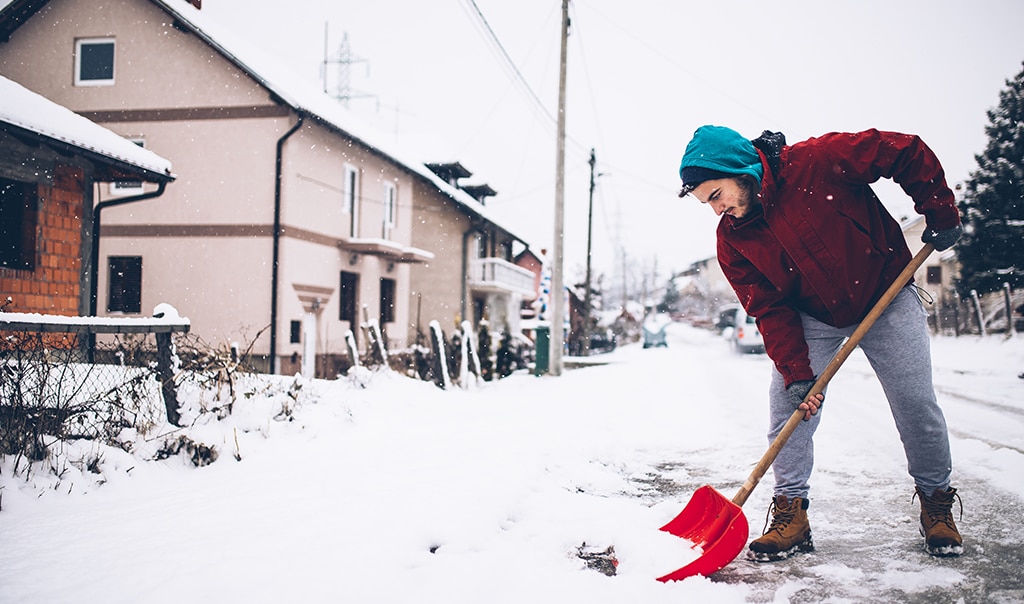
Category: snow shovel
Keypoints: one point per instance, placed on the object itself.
(717, 525)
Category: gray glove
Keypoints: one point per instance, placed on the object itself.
(942, 239)
(797, 392)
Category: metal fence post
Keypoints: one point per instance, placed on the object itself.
(165, 371)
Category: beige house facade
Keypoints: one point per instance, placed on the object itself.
(290, 223)
(467, 243)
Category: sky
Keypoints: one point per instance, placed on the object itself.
(476, 81)
(378, 488)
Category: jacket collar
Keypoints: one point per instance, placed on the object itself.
(766, 196)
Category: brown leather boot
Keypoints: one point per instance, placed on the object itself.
(789, 533)
(941, 538)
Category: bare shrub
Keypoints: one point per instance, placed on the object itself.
(49, 392)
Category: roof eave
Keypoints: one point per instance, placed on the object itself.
(109, 169)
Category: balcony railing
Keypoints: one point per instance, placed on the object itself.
(497, 275)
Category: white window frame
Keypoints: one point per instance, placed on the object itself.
(351, 203)
(78, 62)
(390, 208)
(128, 187)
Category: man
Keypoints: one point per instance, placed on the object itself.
(809, 249)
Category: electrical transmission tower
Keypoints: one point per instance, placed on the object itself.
(343, 61)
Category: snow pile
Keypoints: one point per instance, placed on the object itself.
(379, 488)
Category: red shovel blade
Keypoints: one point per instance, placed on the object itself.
(713, 523)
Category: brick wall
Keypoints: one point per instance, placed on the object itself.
(54, 286)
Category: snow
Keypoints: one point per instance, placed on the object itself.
(381, 488)
(163, 314)
(25, 109)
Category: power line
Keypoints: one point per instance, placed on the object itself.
(675, 63)
(507, 60)
(517, 76)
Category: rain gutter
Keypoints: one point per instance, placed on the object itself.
(277, 241)
(95, 253)
(465, 268)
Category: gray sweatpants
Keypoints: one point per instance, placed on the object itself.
(898, 348)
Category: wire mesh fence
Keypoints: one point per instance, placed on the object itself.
(61, 386)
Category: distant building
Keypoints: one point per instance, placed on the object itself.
(291, 223)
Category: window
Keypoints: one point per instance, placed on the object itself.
(348, 299)
(389, 209)
(480, 243)
(128, 187)
(296, 332)
(125, 284)
(934, 275)
(94, 62)
(352, 198)
(387, 301)
(18, 219)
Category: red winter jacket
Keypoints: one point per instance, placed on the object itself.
(822, 243)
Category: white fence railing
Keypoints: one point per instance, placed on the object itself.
(495, 274)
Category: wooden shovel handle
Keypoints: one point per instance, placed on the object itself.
(833, 366)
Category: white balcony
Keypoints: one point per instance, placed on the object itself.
(500, 276)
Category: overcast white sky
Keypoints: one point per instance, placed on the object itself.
(642, 76)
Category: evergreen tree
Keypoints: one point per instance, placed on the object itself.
(670, 302)
(505, 361)
(991, 251)
(484, 351)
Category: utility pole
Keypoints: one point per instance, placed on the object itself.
(557, 285)
(586, 286)
(624, 284)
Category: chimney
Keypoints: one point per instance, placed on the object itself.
(480, 192)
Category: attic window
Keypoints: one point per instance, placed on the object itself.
(94, 62)
(120, 188)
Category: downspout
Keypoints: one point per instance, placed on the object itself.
(465, 269)
(95, 253)
(277, 242)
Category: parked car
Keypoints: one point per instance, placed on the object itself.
(745, 336)
(726, 317)
(654, 329)
(602, 340)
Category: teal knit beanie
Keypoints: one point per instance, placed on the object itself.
(717, 150)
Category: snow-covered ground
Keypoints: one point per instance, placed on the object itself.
(385, 489)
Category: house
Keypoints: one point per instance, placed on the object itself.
(936, 275)
(534, 263)
(51, 162)
(471, 245)
(291, 223)
(947, 311)
(703, 290)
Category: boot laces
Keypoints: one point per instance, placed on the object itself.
(780, 517)
(938, 510)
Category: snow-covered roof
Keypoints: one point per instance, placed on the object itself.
(304, 97)
(24, 109)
